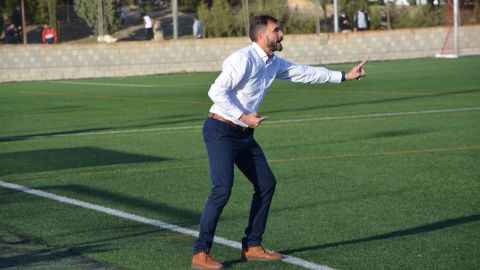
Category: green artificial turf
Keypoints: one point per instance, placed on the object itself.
(381, 173)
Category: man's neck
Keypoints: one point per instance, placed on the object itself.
(265, 49)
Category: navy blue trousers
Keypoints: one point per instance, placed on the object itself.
(228, 146)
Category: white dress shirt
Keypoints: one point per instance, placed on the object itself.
(246, 76)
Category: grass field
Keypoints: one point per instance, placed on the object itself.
(383, 173)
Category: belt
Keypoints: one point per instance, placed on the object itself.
(228, 122)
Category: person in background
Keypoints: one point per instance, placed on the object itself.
(148, 23)
(158, 31)
(11, 35)
(123, 13)
(361, 20)
(17, 22)
(49, 35)
(344, 22)
(197, 28)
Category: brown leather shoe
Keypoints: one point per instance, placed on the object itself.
(260, 254)
(203, 260)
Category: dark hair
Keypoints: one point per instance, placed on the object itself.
(258, 24)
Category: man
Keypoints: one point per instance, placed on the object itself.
(49, 35)
(228, 131)
(344, 22)
(11, 35)
(17, 21)
(361, 20)
(148, 24)
(197, 28)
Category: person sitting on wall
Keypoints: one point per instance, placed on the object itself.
(11, 35)
(49, 35)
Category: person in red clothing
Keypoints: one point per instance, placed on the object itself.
(49, 35)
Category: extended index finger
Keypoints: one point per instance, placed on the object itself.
(364, 61)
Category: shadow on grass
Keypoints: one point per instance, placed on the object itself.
(349, 199)
(20, 251)
(171, 121)
(49, 110)
(397, 133)
(111, 240)
(186, 119)
(50, 258)
(51, 134)
(66, 158)
(407, 232)
(340, 140)
(181, 217)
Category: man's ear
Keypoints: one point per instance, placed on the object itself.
(261, 36)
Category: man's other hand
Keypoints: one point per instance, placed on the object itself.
(357, 72)
(253, 119)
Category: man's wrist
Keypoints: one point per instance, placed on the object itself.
(242, 118)
(344, 76)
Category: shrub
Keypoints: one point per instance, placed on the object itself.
(296, 24)
(424, 16)
(111, 14)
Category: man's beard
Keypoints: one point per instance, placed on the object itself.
(275, 45)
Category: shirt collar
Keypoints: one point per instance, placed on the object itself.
(263, 55)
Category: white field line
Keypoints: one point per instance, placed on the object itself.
(148, 221)
(124, 84)
(268, 122)
(107, 84)
(342, 117)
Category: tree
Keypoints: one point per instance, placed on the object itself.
(52, 13)
(1, 14)
(203, 16)
(188, 5)
(476, 12)
(221, 18)
(88, 10)
(276, 8)
(323, 4)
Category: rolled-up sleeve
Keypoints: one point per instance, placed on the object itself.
(221, 92)
(307, 74)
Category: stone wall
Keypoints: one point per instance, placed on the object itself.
(74, 61)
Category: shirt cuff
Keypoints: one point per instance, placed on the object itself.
(236, 114)
(336, 77)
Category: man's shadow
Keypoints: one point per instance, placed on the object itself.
(410, 231)
(400, 233)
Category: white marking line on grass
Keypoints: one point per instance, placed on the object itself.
(372, 115)
(125, 84)
(108, 84)
(326, 118)
(148, 221)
